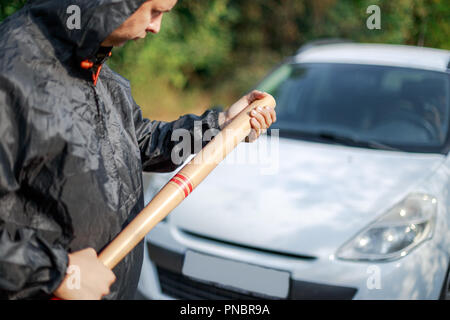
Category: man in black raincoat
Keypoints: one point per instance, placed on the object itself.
(73, 144)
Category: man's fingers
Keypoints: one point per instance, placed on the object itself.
(89, 252)
(273, 114)
(256, 125)
(259, 119)
(256, 95)
(112, 277)
(252, 136)
(266, 114)
(105, 291)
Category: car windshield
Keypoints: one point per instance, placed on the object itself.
(362, 105)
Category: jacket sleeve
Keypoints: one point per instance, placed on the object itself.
(157, 142)
(29, 266)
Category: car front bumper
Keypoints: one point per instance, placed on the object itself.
(419, 275)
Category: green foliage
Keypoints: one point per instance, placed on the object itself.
(212, 51)
(8, 7)
(194, 44)
(412, 22)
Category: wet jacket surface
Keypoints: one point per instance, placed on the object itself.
(71, 153)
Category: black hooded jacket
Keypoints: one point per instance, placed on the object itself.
(71, 152)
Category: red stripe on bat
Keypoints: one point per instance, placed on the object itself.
(187, 180)
(182, 186)
(185, 186)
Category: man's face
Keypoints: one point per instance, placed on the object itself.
(146, 19)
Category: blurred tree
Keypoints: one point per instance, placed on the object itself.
(432, 24)
(194, 44)
(413, 22)
(8, 7)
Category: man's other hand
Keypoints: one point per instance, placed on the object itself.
(87, 277)
(261, 118)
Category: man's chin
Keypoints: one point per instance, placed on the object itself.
(139, 38)
(119, 44)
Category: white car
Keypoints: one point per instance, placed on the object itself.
(357, 206)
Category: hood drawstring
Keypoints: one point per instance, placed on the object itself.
(102, 55)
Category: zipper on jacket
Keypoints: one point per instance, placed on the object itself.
(95, 67)
(103, 54)
(99, 112)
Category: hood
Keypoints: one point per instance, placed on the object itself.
(321, 196)
(98, 19)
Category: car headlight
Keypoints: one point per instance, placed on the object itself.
(396, 233)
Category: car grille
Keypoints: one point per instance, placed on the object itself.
(173, 283)
(181, 287)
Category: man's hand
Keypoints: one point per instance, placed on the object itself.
(94, 278)
(261, 119)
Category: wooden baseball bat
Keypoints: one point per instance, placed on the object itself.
(182, 184)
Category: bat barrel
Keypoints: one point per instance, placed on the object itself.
(182, 184)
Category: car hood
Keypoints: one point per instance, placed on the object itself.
(320, 196)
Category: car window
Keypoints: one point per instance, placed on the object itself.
(401, 107)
